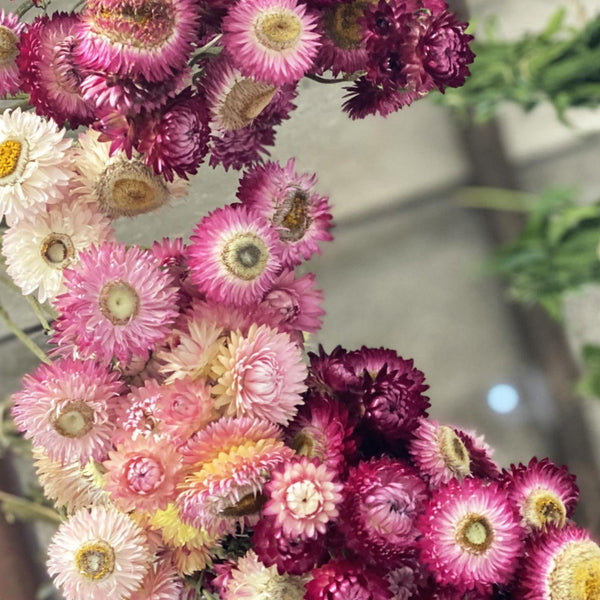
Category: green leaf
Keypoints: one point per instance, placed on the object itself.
(568, 220)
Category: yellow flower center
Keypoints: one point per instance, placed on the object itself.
(576, 574)
(293, 216)
(244, 102)
(278, 30)
(10, 152)
(74, 420)
(543, 507)
(95, 560)
(454, 453)
(57, 250)
(245, 256)
(8, 46)
(342, 24)
(474, 534)
(119, 302)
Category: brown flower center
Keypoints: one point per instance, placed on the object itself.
(119, 302)
(342, 24)
(244, 102)
(454, 453)
(474, 533)
(576, 572)
(248, 505)
(74, 420)
(293, 216)
(57, 250)
(245, 256)
(9, 49)
(278, 29)
(95, 560)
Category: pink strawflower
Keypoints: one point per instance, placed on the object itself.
(250, 579)
(409, 580)
(293, 555)
(234, 256)
(543, 493)
(10, 34)
(288, 201)
(294, 303)
(118, 303)
(438, 452)
(161, 582)
(142, 473)
(137, 412)
(303, 497)
(49, 71)
(38, 248)
(471, 537)
(260, 375)
(148, 38)
(560, 564)
(175, 139)
(230, 461)
(322, 430)
(98, 554)
(382, 500)
(67, 408)
(346, 578)
(271, 40)
(365, 97)
(480, 454)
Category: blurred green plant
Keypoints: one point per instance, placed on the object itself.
(560, 65)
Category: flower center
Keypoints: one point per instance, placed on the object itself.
(248, 505)
(68, 77)
(576, 574)
(95, 560)
(74, 419)
(342, 24)
(454, 453)
(128, 188)
(278, 29)
(144, 474)
(303, 498)
(10, 152)
(293, 216)
(244, 102)
(57, 250)
(544, 507)
(119, 302)
(303, 444)
(474, 534)
(245, 256)
(8, 46)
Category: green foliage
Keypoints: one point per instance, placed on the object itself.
(589, 383)
(555, 253)
(560, 65)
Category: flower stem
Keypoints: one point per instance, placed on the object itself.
(325, 80)
(20, 334)
(39, 313)
(15, 507)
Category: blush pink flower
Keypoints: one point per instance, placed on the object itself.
(161, 582)
(118, 303)
(68, 408)
(303, 497)
(10, 33)
(271, 40)
(142, 473)
(260, 375)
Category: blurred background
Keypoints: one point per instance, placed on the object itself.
(405, 270)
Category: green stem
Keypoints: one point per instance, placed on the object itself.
(21, 508)
(29, 343)
(37, 309)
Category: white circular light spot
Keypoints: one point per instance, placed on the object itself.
(503, 398)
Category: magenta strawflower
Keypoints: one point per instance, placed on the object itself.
(148, 38)
(560, 564)
(382, 500)
(10, 34)
(543, 493)
(142, 473)
(118, 303)
(480, 454)
(259, 375)
(288, 201)
(471, 537)
(234, 256)
(98, 554)
(303, 497)
(68, 408)
(49, 71)
(438, 452)
(271, 40)
(346, 578)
